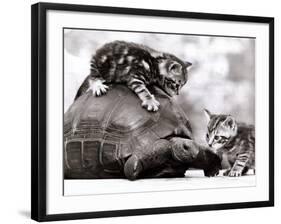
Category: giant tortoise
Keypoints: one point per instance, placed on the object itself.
(114, 137)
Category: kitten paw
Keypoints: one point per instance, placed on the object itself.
(225, 173)
(151, 104)
(97, 87)
(235, 173)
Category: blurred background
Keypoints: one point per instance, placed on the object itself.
(222, 78)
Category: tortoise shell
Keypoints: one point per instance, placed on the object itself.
(100, 133)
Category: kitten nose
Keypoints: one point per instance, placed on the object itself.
(177, 89)
(210, 144)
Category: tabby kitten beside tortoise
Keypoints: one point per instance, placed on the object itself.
(235, 140)
(138, 67)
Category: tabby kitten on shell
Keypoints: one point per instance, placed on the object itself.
(233, 139)
(137, 66)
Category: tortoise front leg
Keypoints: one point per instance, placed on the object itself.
(178, 150)
(142, 161)
(133, 167)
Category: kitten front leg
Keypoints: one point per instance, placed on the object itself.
(148, 100)
(225, 173)
(235, 173)
(239, 165)
(95, 80)
(97, 86)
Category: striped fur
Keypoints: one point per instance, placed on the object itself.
(137, 66)
(235, 140)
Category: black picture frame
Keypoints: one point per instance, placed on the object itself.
(39, 115)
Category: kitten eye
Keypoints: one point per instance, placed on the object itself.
(207, 135)
(216, 137)
(175, 68)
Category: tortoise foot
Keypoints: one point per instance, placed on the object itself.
(132, 168)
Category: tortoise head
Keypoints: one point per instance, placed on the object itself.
(193, 155)
(184, 150)
(207, 160)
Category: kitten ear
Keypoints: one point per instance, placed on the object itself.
(187, 64)
(207, 114)
(230, 122)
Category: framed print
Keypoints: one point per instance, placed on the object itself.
(139, 111)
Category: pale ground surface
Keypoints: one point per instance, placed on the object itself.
(194, 180)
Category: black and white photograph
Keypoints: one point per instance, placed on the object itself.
(140, 111)
(140, 106)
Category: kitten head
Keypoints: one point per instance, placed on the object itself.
(220, 130)
(173, 73)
